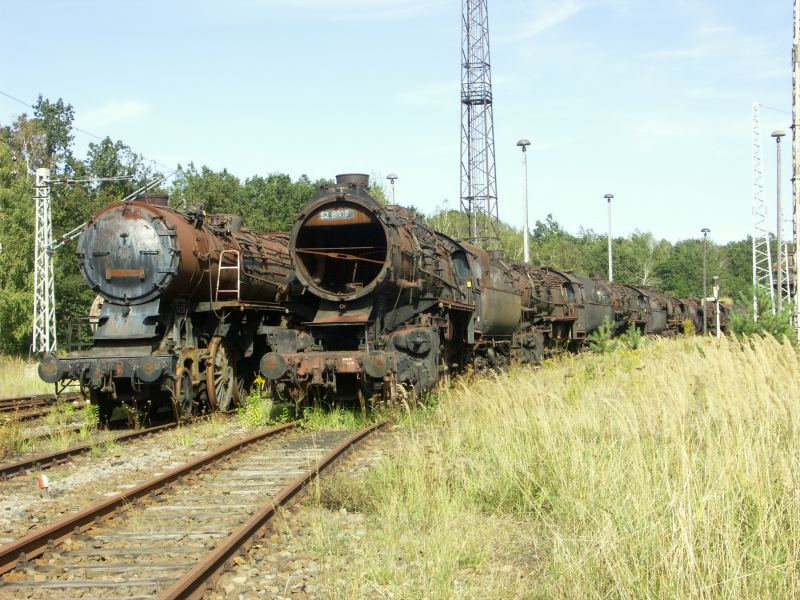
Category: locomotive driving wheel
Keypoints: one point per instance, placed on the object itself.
(221, 379)
(183, 395)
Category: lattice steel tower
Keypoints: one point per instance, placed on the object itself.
(44, 304)
(762, 257)
(796, 160)
(478, 172)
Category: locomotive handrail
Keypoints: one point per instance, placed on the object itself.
(235, 267)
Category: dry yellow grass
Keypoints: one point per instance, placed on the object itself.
(18, 378)
(667, 472)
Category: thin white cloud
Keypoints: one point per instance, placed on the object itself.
(659, 126)
(351, 10)
(438, 94)
(545, 15)
(710, 40)
(693, 52)
(113, 113)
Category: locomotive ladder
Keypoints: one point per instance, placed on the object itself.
(236, 266)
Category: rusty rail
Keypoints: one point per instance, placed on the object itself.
(36, 542)
(196, 582)
(11, 404)
(47, 460)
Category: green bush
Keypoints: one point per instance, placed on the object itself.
(747, 323)
(256, 411)
(632, 338)
(602, 340)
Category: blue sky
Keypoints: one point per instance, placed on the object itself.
(648, 100)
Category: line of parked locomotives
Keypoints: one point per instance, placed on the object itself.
(358, 301)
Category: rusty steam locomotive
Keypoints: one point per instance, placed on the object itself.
(186, 303)
(360, 300)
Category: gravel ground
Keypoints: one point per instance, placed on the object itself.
(286, 562)
(94, 476)
(148, 546)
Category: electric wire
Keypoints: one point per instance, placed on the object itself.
(78, 129)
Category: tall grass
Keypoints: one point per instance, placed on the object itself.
(19, 377)
(668, 471)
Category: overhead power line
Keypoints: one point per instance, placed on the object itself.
(83, 131)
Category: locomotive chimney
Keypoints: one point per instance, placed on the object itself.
(359, 179)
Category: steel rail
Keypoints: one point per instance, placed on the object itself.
(19, 415)
(47, 460)
(35, 543)
(196, 582)
(10, 404)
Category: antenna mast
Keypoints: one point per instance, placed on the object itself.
(478, 171)
(762, 257)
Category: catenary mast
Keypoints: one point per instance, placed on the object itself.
(478, 172)
(762, 256)
(796, 153)
(44, 304)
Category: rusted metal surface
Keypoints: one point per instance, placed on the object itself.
(345, 245)
(194, 583)
(47, 460)
(137, 251)
(314, 365)
(121, 272)
(35, 543)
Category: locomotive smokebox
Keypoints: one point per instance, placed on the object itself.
(344, 247)
(359, 179)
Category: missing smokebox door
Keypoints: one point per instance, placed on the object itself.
(342, 249)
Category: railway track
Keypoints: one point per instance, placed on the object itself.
(42, 461)
(25, 408)
(172, 536)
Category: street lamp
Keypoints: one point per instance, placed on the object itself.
(392, 178)
(705, 231)
(610, 256)
(715, 284)
(778, 134)
(523, 143)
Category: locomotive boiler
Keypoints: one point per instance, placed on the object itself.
(184, 299)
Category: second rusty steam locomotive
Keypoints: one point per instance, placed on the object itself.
(360, 300)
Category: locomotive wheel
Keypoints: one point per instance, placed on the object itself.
(183, 397)
(245, 377)
(221, 379)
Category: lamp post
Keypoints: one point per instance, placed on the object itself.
(778, 134)
(715, 284)
(392, 178)
(705, 231)
(608, 197)
(523, 143)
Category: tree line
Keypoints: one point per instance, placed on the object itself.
(45, 138)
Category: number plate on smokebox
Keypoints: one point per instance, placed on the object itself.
(337, 214)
